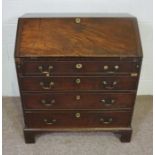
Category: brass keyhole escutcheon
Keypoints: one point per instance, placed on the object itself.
(77, 20)
(78, 81)
(78, 66)
(77, 115)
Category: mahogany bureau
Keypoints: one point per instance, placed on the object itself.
(78, 73)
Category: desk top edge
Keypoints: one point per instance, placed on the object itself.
(68, 15)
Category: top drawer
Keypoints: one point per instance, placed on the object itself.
(48, 68)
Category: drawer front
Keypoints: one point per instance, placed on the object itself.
(46, 68)
(78, 83)
(77, 119)
(78, 100)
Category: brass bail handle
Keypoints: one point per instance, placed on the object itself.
(106, 121)
(47, 72)
(107, 101)
(50, 122)
(47, 87)
(106, 68)
(109, 85)
(48, 104)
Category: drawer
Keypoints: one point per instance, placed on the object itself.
(58, 83)
(78, 100)
(47, 68)
(53, 119)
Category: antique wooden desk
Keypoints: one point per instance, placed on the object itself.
(78, 74)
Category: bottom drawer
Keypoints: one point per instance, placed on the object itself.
(77, 119)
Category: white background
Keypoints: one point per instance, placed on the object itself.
(12, 9)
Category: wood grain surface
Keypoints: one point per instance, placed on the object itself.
(93, 37)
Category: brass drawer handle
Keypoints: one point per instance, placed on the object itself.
(106, 121)
(108, 102)
(134, 74)
(77, 20)
(106, 67)
(47, 87)
(109, 85)
(78, 66)
(78, 81)
(77, 115)
(49, 122)
(45, 72)
(116, 67)
(44, 102)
